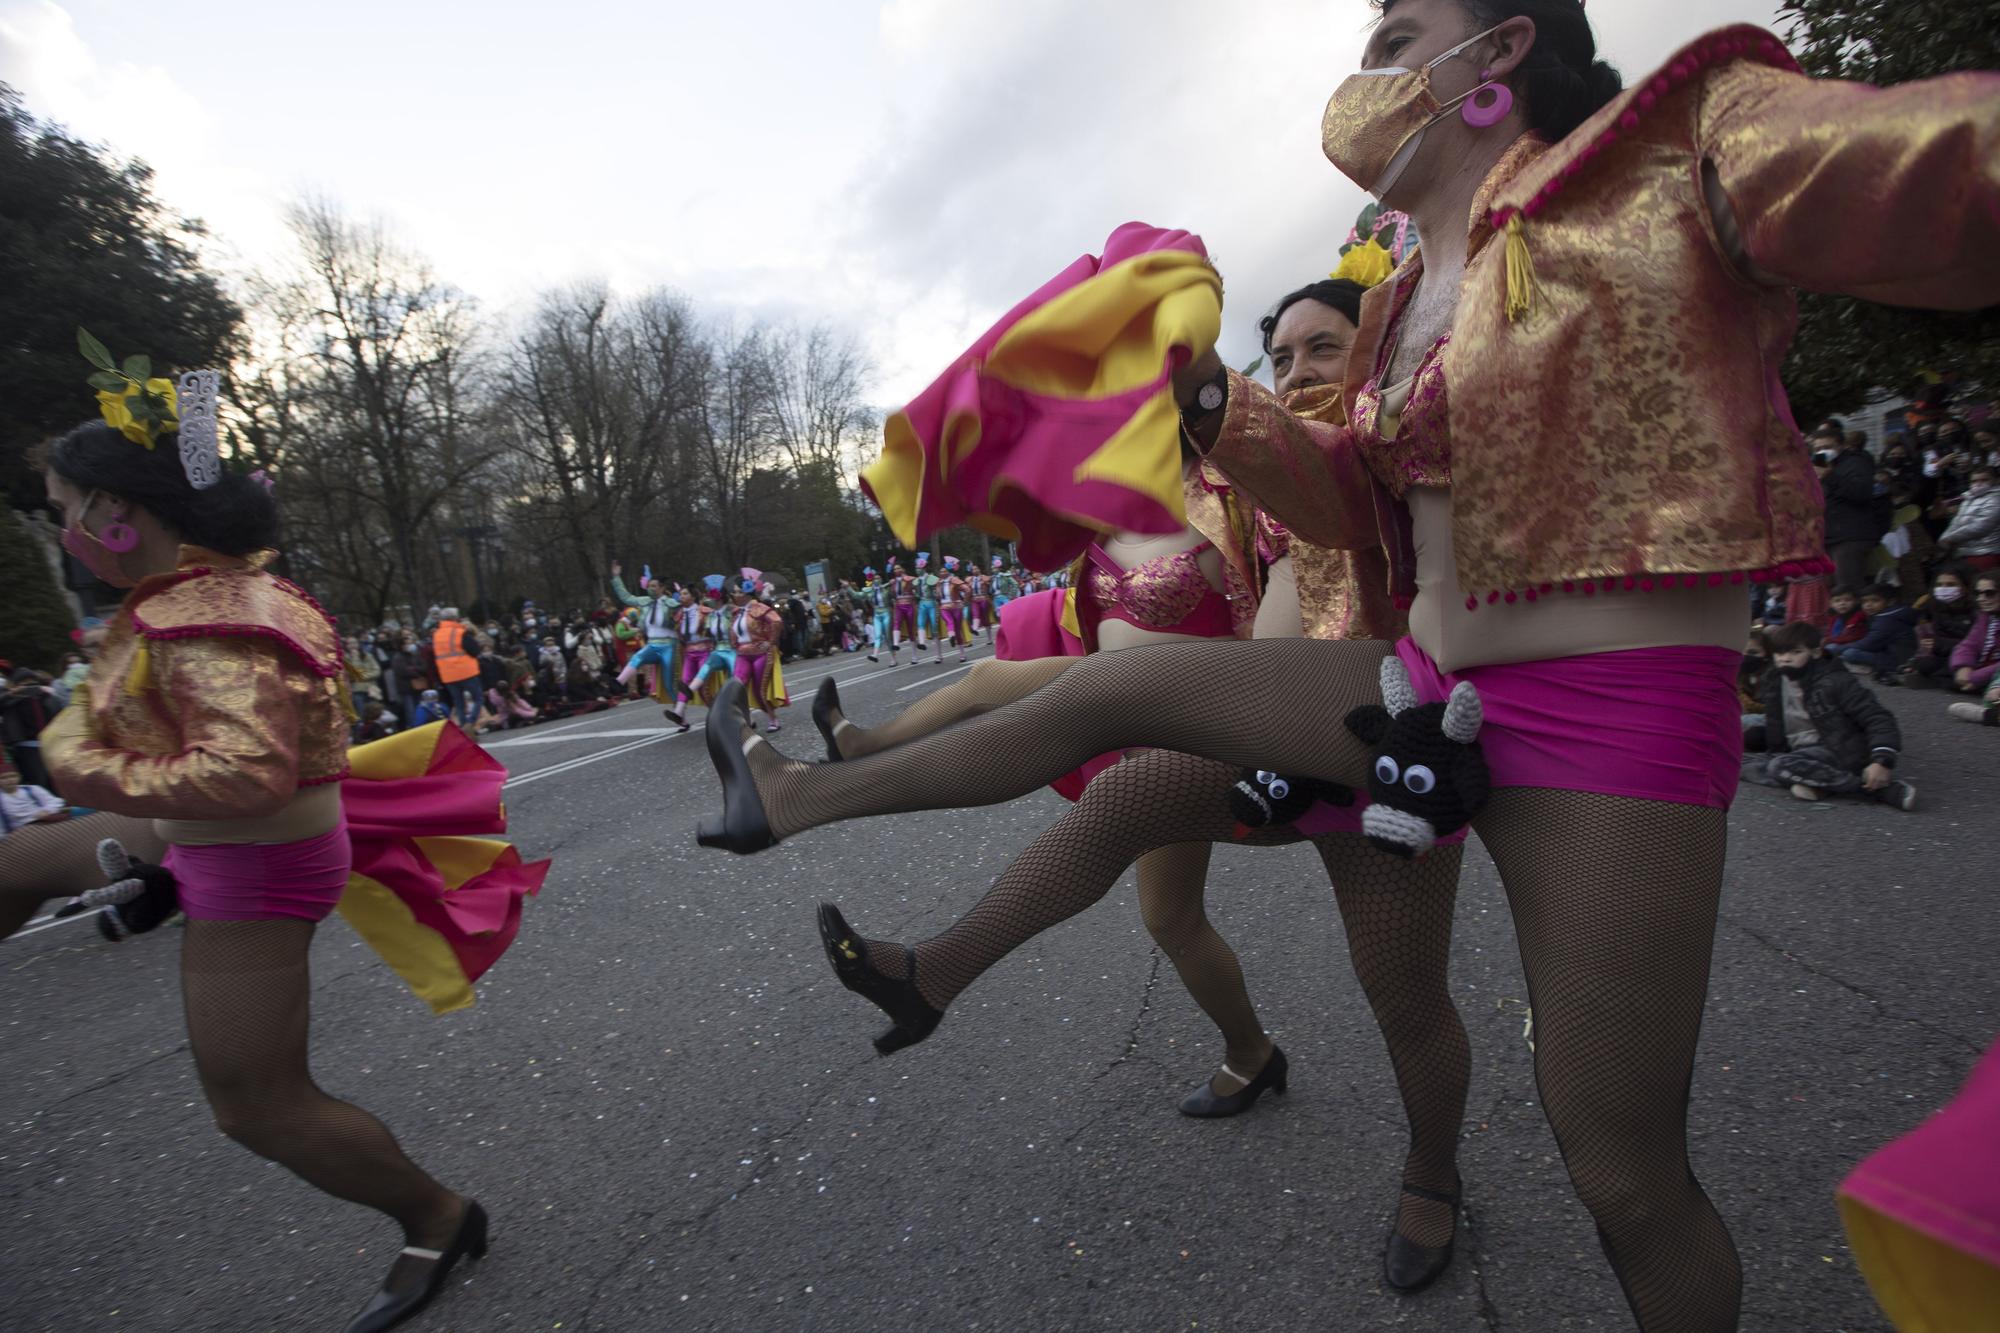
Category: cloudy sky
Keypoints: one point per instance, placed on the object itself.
(905, 168)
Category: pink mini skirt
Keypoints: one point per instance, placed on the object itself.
(263, 881)
(1654, 724)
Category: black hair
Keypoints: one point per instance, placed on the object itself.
(1562, 81)
(236, 516)
(1845, 590)
(1887, 592)
(1343, 294)
(1794, 636)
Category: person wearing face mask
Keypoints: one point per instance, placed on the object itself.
(217, 711)
(1824, 732)
(1944, 618)
(1973, 536)
(1500, 445)
(1975, 663)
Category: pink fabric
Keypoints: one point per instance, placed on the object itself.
(1168, 594)
(1943, 1177)
(263, 881)
(1032, 627)
(1655, 724)
(754, 670)
(1024, 468)
(457, 796)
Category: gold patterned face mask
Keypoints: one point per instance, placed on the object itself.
(1376, 119)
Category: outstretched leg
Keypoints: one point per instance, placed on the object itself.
(989, 685)
(1614, 904)
(1164, 695)
(43, 861)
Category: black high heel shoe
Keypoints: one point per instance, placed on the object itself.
(912, 1015)
(742, 827)
(826, 702)
(389, 1308)
(1208, 1104)
(1409, 1267)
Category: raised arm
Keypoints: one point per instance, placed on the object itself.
(1305, 472)
(1889, 194)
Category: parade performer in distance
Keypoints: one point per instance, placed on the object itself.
(1489, 375)
(658, 616)
(954, 610)
(217, 708)
(903, 586)
(755, 628)
(930, 625)
(979, 589)
(1006, 587)
(694, 630)
(879, 601)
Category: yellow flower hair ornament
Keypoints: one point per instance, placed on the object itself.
(1367, 264)
(134, 403)
(142, 408)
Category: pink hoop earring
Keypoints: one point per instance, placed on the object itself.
(1479, 114)
(118, 535)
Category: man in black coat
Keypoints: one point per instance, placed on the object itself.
(1853, 518)
(1824, 732)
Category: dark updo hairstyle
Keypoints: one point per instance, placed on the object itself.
(1340, 293)
(1562, 80)
(236, 516)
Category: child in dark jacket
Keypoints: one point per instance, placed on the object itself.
(1891, 637)
(1850, 622)
(1824, 732)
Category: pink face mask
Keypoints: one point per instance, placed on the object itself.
(99, 554)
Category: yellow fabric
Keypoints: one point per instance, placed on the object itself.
(420, 956)
(1070, 621)
(1109, 334)
(406, 754)
(1921, 1283)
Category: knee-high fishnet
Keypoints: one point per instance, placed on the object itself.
(1398, 915)
(246, 988)
(1614, 903)
(1165, 695)
(989, 685)
(43, 861)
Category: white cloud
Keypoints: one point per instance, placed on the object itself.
(907, 169)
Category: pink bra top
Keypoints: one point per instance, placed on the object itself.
(1167, 594)
(1420, 454)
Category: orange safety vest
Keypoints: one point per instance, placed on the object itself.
(448, 646)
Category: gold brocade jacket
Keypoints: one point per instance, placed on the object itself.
(217, 693)
(1629, 422)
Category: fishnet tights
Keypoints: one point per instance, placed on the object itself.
(247, 990)
(43, 861)
(1614, 903)
(1162, 695)
(1397, 913)
(989, 685)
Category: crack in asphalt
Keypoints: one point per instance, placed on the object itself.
(1970, 1047)
(1489, 1313)
(113, 1081)
(1131, 1046)
(701, 1217)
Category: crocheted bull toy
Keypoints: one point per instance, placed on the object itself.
(1429, 777)
(1261, 799)
(138, 896)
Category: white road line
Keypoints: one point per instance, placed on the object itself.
(553, 739)
(48, 924)
(932, 680)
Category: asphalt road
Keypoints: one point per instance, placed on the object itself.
(675, 1118)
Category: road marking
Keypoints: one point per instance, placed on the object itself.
(932, 680)
(552, 739)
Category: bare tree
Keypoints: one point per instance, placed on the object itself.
(814, 387)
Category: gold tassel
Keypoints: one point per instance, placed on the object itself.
(140, 678)
(1520, 270)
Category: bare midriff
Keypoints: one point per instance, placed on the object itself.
(311, 812)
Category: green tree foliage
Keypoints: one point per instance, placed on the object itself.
(84, 242)
(1847, 347)
(34, 619)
